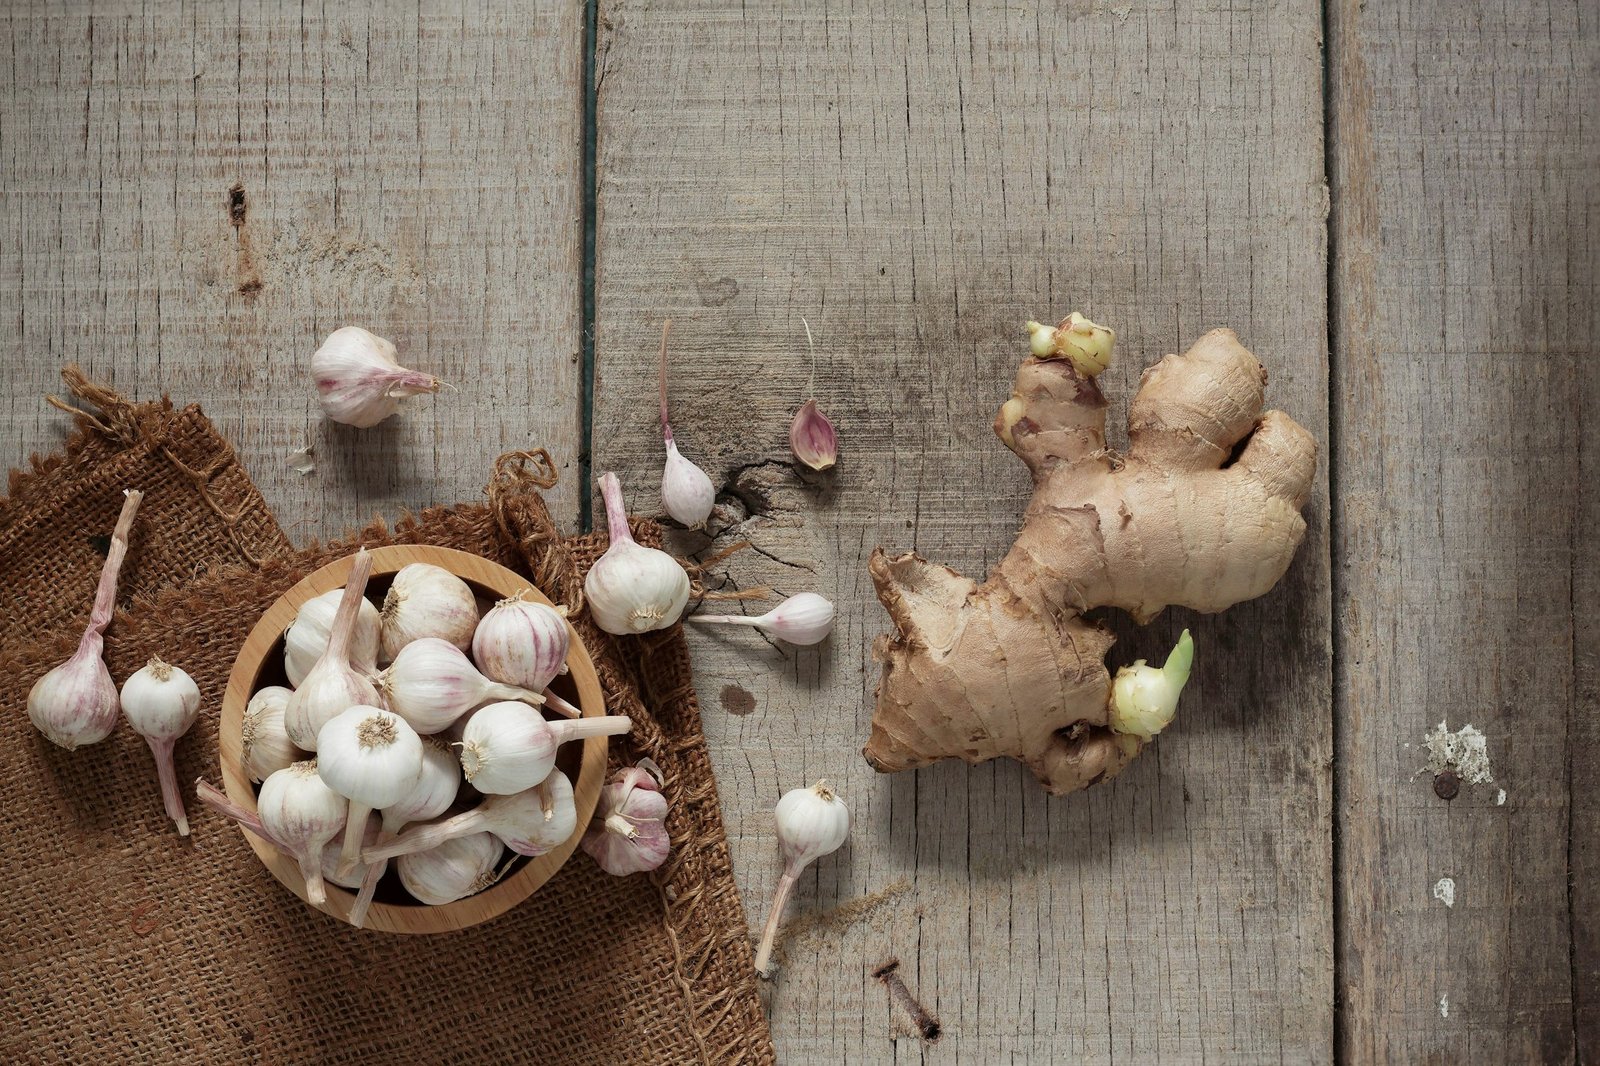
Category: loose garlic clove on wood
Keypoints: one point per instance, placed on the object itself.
(812, 437)
(358, 381)
(427, 601)
(161, 702)
(803, 619)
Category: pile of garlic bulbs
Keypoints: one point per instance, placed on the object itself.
(394, 742)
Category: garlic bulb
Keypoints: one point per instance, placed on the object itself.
(300, 814)
(431, 683)
(333, 683)
(452, 870)
(264, 744)
(521, 642)
(161, 702)
(804, 618)
(358, 381)
(686, 491)
(429, 797)
(812, 822)
(427, 601)
(372, 758)
(509, 747)
(529, 823)
(307, 636)
(812, 437)
(1144, 698)
(631, 588)
(629, 833)
(76, 703)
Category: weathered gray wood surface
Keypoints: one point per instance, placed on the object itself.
(916, 186)
(1464, 164)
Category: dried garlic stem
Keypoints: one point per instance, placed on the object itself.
(769, 934)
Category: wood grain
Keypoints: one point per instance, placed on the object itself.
(1463, 161)
(916, 185)
(196, 194)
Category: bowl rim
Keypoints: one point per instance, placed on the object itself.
(267, 635)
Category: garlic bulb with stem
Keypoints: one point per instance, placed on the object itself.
(686, 490)
(812, 822)
(522, 642)
(529, 823)
(431, 683)
(427, 601)
(358, 381)
(333, 683)
(631, 588)
(509, 747)
(453, 869)
(804, 618)
(300, 814)
(307, 636)
(372, 758)
(628, 833)
(264, 744)
(429, 797)
(161, 702)
(1144, 698)
(76, 703)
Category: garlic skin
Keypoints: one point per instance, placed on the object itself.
(333, 684)
(802, 619)
(529, 823)
(811, 822)
(372, 758)
(812, 437)
(454, 869)
(686, 490)
(76, 703)
(300, 814)
(427, 601)
(628, 834)
(307, 636)
(509, 747)
(264, 744)
(431, 683)
(631, 588)
(523, 643)
(1144, 699)
(358, 381)
(429, 797)
(161, 702)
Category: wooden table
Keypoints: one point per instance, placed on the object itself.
(1395, 204)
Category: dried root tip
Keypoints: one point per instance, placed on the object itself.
(1144, 698)
(1087, 345)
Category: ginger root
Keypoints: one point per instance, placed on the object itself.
(1203, 512)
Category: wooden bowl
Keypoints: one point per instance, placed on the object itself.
(260, 663)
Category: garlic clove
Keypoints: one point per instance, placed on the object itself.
(307, 636)
(1144, 699)
(686, 490)
(452, 870)
(628, 834)
(631, 588)
(161, 702)
(264, 744)
(427, 601)
(812, 437)
(803, 619)
(522, 642)
(358, 381)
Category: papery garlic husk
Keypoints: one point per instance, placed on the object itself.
(629, 834)
(76, 703)
(427, 601)
(429, 797)
(452, 870)
(509, 747)
(812, 437)
(529, 823)
(522, 642)
(802, 619)
(372, 758)
(358, 380)
(161, 702)
(334, 683)
(811, 822)
(431, 683)
(264, 744)
(307, 636)
(1145, 698)
(300, 814)
(631, 588)
(686, 490)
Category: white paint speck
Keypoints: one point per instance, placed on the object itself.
(1500, 801)
(1444, 1005)
(1444, 890)
(1466, 751)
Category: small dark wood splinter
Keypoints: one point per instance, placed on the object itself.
(926, 1023)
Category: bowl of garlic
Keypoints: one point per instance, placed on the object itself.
(413, 738)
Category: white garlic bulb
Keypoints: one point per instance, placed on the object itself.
(431, 683)
(522, 642)
(161, 702)
(307, 636)
(358, 381)
(452, 870)
(372, 758)
(812, 822)
(631, 588)
(427, 601)
(628, 833)
(509, 747)
(333, 683)
(300, 814)
(804, 618)
(264, 744)
(529, 823)
(429, 797)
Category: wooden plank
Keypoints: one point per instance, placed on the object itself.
(412, 170)
(1464, 187)
(912, 185)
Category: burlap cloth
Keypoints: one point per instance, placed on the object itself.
(125, 943)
